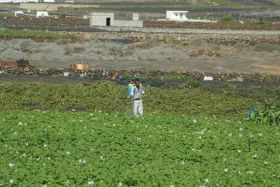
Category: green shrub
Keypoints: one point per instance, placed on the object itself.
(23, 63)
(270, 115)
(228, 19)
(264, 22)
(258, 21)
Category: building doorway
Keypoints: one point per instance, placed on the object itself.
(108, 21)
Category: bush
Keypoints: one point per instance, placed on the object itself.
(23, 63)
(228, 19)
(264, 22)
(270, 115)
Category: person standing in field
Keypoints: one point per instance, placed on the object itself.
(136, 98)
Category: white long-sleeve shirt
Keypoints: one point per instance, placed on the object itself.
(137, 93)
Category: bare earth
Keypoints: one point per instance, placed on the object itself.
(142, 51)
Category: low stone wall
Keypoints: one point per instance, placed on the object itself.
(130, 74)
(187, 31)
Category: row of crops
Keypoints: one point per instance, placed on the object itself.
(111, 97)
(84, 135)
(101, 149)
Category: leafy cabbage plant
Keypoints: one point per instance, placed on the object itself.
(269, 115)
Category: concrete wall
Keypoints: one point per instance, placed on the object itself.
(122, 23)
(99, 19)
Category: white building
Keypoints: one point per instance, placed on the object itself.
(182, 16)
(108, 19)
(101, 19)
(41, 14)
(19, 13)
(176, 15)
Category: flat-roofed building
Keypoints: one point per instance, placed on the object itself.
(176, 15)
(108, 19)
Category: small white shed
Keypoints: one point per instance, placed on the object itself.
(176, 15)
(108, 19)
(42, 14)
(101, 19)
(19, 13)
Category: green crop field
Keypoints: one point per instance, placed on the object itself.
(100, 149)
(189, 98)
(84, 135)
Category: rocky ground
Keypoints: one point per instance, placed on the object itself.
(140, 51)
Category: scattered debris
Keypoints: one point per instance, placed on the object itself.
(79, 69)
(114, 75)
(9, 64)
(208, 78)
(126, 74)
(204, 52)
(66, 74)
